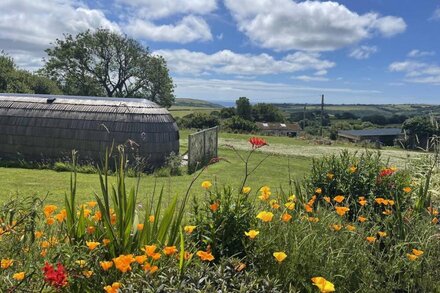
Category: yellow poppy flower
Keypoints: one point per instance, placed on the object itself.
(350, 228)
(411, 257)
(336, 227)
(417, 252)
(280, 256)
(189, 229)
(323, 285)
(290, 205)
(246, 190)
(6, 263)
(318, 190)
(92, 244)
(382, 234)
(265, 216)
(18, 276)
(206, 184)
(252, 233)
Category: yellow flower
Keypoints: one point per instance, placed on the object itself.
(382, 234)
(50, 221)
(122, 262)
(279, 256)
(327, 199)
(330, 176)
(252, 233)
(49, 209)
(341, 211)
(411, 257)
(290, 205)
(92, 245)
(323, 285)
(206, 184)
(265, 193)
(407, 189)
(18, 276)
(170, 250)
(371, 239)
(189, 229)
(6, 263)
(318, 191)
(292, 197)
(87, 274)
(105, 265)
(246, 190)
(286, 217)
(140, 259)
(151, 218)
(82, 263)
(362, 219)
(352, 169)
(350, 228)
(265, 216)
(434, 221)
(114, 288)
(205, 256)
(338, 198)
(336, 227)
(92, 204)
(362, 201)
(140, 227)
(387, 212)
(313, 219)
(417, 252)
(379, 200)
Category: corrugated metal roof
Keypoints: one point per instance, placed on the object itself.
(373, 132)
(279, 126)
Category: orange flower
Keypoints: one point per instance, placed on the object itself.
(417, 252)
(265, 216)
(336, 227)
(150, 250)
(105, 241)
(352, 169)
(205, 256)
(379, 200)
(252, 233)
(387, 212)
(362, 219)
(18, 276)
(214, 207)
(290, 205)
(170, 250)
(323, 285)
(87, 274)
(43, 252)
(286, 217)
(327, 199)
(274, 204)
(151, 219)
(411, 257)
(97, 217)
(60, 217)
(38, 234)
(382, 234)
(91, 229)
(50, 221)
(114, 288)
(105, 265)
(434, 221)
(122, 262)
(113, 219)
(330, 176)
(313, 219)
(189, 229)
(371, 239)
(362, 201)
(140, 227)
(432, 211)
(407, 189)
(92, 245)
(280, 256)
(92, 204)
(49, 209)
(308, 208)
(45, 244)
(339, 198)
(6, 263)
(341, 211)
(148, 268)
(318, 191)
(140, 259)
(350, 228)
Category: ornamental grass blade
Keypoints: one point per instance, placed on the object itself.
(166, 221)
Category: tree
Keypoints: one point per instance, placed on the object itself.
(267, 113)
(244, 108)
(14, 80)
(108, 63)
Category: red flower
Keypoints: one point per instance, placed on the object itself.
(56, 278)
(257, 142)
(386, 172)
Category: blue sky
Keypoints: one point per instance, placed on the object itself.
(369, 51)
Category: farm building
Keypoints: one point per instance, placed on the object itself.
(385, 136)
(280, 129)
(39, 127)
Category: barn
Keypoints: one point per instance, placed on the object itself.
(48, 127)
(279, 129)
(384, 136)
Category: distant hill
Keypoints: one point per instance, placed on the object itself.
(194, 103)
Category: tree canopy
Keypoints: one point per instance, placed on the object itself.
(107, 63)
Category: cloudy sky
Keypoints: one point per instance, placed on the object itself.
(369, 51)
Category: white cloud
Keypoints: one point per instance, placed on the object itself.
(27, 27)
(436, 14)
(309, 25)
(190, 28)
(308, 78)
(228, 62)
(417, 72)
(417, 53)
(363, 52)
(229, 90)
(156, 9)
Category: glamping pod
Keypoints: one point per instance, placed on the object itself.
(39, 127)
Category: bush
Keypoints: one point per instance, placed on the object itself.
(238, 124)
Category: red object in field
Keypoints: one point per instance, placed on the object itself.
(257, 142)
(56, 278)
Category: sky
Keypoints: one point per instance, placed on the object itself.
(280, 51)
